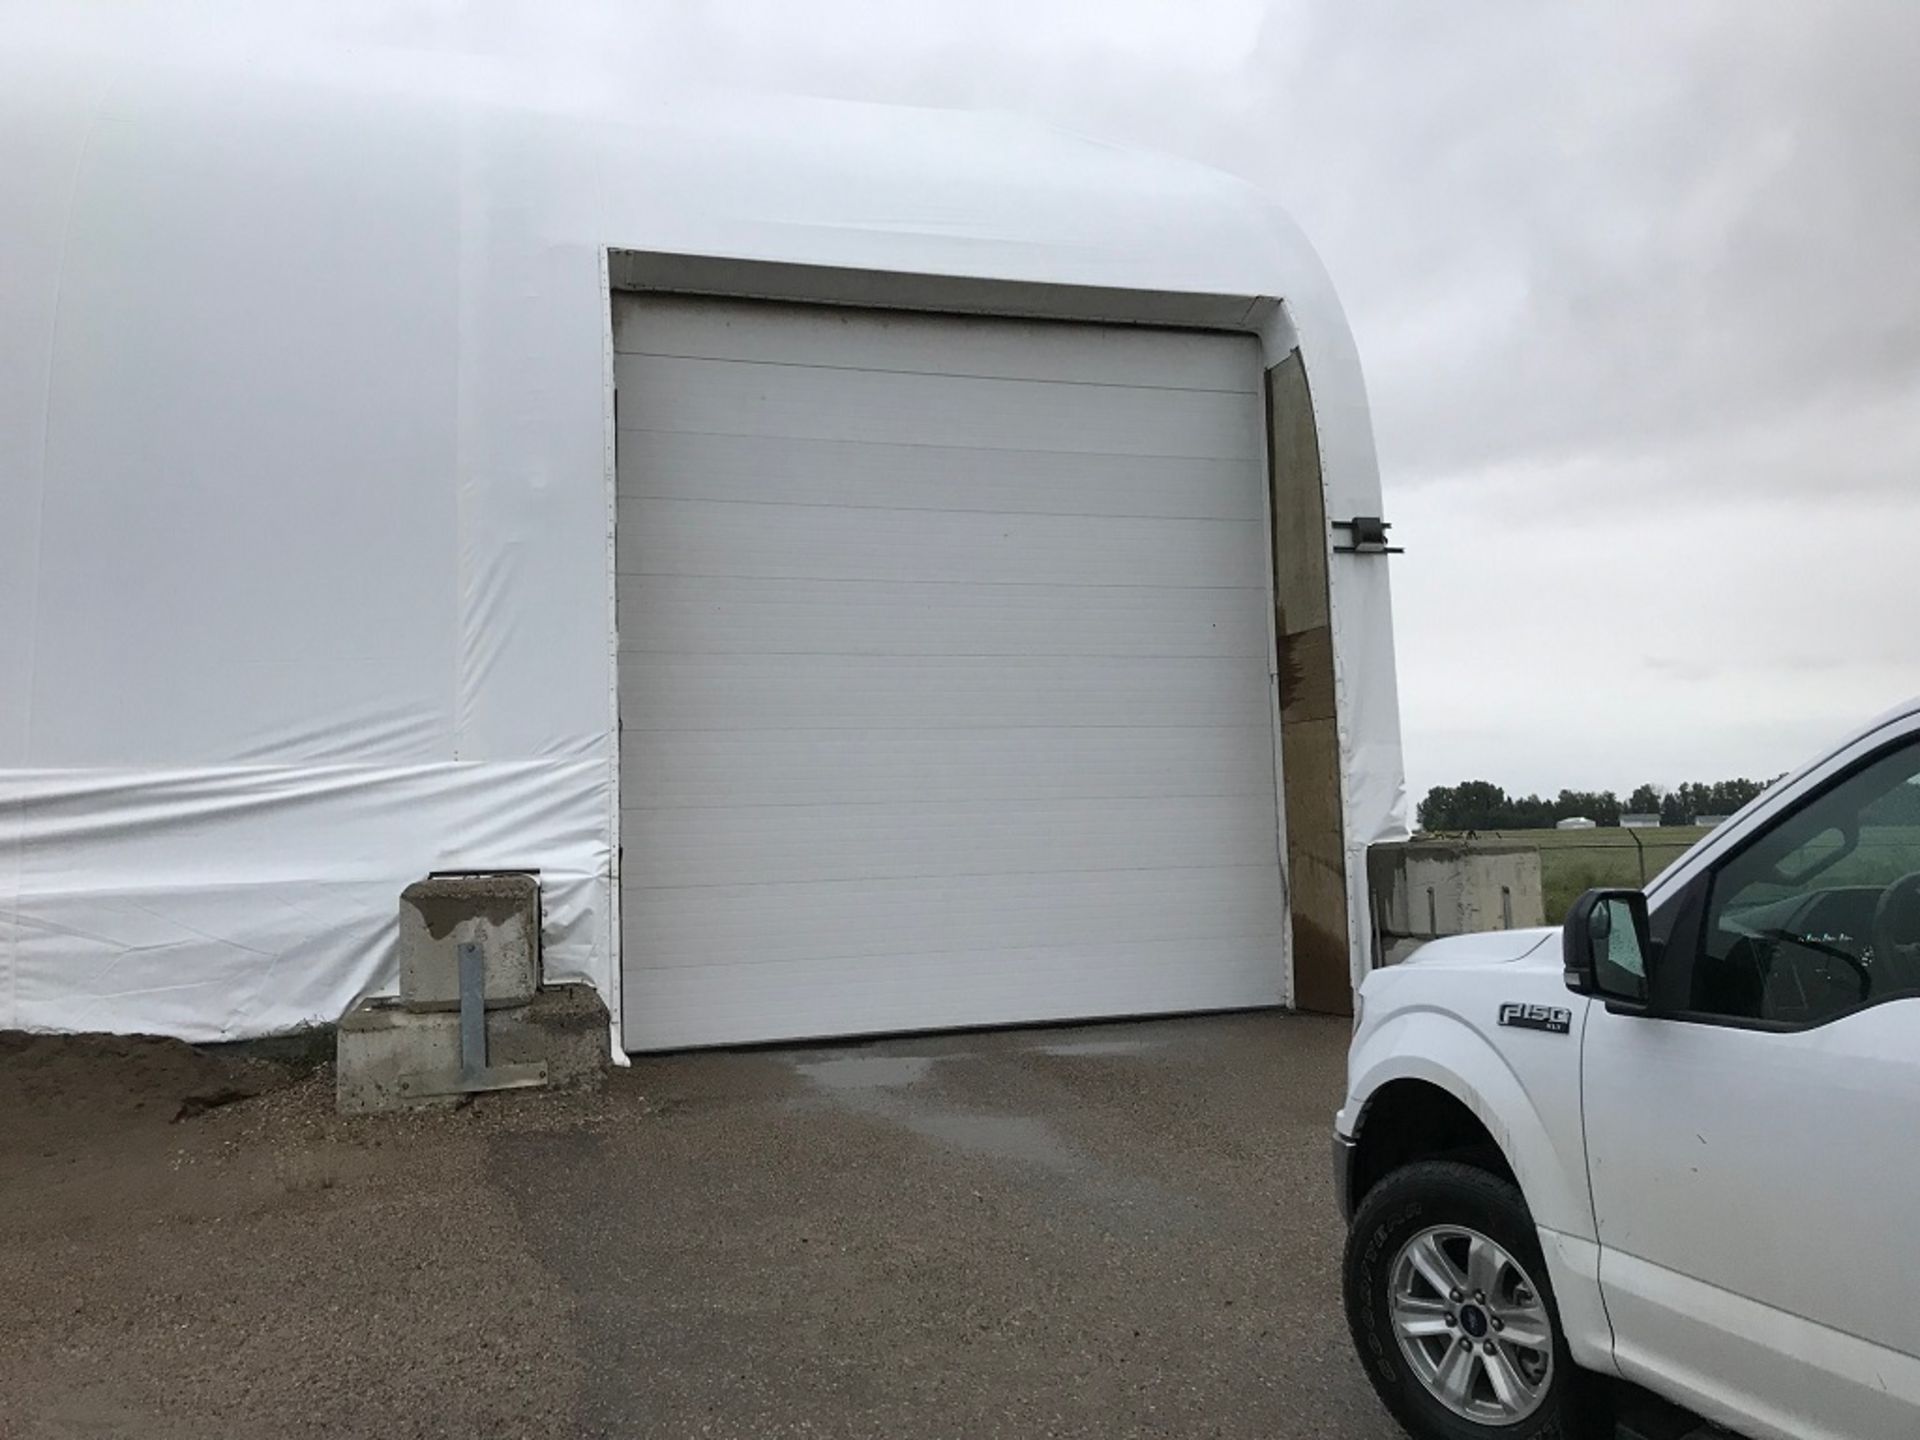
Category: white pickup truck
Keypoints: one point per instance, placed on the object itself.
(1672, 1147)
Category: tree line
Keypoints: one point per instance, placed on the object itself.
(1482, 805)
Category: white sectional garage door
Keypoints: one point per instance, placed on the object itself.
(943, 677)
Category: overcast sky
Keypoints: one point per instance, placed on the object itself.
(1635, 287)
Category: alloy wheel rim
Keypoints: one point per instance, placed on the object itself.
(1472, 1325)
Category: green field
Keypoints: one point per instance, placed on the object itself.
(1572, 861)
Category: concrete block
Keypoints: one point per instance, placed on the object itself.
(1424, 889)
(1393, 951)
(566, 1026)
(379, 1041)
(501, 912)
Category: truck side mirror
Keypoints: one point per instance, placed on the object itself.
(1606, 945)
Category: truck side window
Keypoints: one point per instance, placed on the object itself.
(1820, 914)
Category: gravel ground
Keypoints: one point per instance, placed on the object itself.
(1102, 1231)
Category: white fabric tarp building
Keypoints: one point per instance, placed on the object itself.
(860, 515)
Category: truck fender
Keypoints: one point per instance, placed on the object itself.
(1545, 1151)
(1441, 1049)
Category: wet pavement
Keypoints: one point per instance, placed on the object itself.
(1118, 1230)
(1122, 1230)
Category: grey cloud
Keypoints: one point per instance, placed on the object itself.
(1668, 227)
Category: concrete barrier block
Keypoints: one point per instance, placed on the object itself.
(500, 912)
(566, 1026)
(1424, 889)
(380, 1041)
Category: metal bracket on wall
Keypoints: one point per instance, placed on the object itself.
(474, 1073)
(1368, 536)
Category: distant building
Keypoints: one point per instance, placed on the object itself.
(1640, 822)
(1574, 822)
(1707, 822)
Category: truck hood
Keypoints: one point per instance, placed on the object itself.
(1491, 947)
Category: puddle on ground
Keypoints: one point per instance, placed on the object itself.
(1019, 1138)
(891, 1088)
(866, 1072)
(883, 1085)
(1102, 1047)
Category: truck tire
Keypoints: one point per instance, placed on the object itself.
(1453, 1315)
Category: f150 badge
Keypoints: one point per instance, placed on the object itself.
(1554, 1019)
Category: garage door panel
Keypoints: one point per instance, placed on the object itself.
(672, 1009)
(935, 344)
(745, 924)
(697, 537)
(797, 692)
(789, 843)
(704, 615)
(724, 397)
(944, 673)
(676, 465)
(680, 768)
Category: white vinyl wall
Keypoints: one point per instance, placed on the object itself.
(305, 574)
(943, 672)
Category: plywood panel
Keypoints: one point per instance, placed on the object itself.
(1309, 730)
(1316, 852)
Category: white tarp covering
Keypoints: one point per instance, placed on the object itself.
(304, 484)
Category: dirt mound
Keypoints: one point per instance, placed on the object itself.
(52, 1086)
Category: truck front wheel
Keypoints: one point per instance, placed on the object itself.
(1452, 1312)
